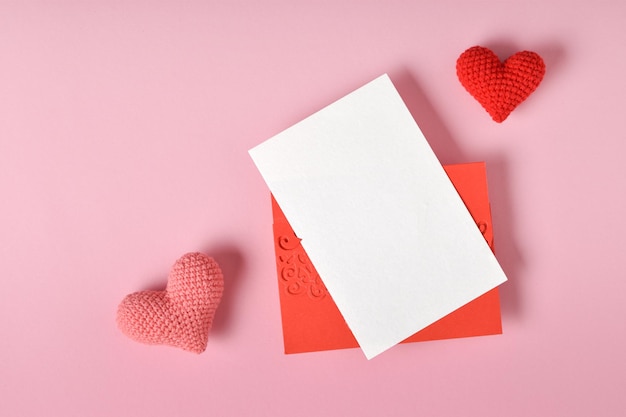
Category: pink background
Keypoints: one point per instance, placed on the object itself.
(124, 130)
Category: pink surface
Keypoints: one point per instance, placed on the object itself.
(123, 138)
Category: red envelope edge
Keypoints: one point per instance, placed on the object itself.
(311, 320)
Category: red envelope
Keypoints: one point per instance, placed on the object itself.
(311, 320)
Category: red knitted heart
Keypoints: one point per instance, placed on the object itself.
(499, 87)
(181, 315)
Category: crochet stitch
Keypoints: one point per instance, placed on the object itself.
(499, 87)
(182, 314)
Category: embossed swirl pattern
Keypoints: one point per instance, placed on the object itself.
(296, 270)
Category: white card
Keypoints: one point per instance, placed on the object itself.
(378, 216)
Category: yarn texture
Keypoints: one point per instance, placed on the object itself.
(182, 314)
(499, 86)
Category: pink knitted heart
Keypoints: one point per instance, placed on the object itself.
(181, 315)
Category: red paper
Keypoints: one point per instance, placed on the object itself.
(310, 318)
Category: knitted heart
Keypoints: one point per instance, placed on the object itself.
(181, 315)
(499, 87)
